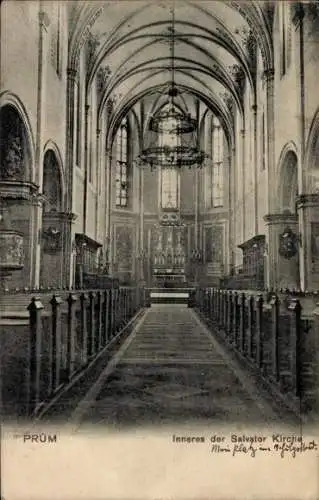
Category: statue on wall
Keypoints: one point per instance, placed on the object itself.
(124, 248)
(52, 240)
(288, 243)
(12, 164)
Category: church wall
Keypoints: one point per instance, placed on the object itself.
(54, 92)
(286, 100)
(20, 17)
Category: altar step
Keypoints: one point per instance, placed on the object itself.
(170, 296)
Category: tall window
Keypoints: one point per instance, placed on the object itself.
(217, 165)
(169, 188)
(169, 174)
(122, 165)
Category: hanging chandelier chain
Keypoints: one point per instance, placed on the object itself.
(172, 39)
(173, 121)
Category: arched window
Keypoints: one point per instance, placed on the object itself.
(52, 189)
(217, 165)
(169, 174)
(122, 165)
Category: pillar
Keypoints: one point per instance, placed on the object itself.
(69, 168)
(255, 171)
(306, 203)
(87, 159)
(41, 98)
(243, 168)
(141, 236)
(98, 183)
(271, 271)
(108, 191)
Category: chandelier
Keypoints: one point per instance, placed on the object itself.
(182, 149)
(172, 120)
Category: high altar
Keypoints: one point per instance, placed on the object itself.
(168, 256)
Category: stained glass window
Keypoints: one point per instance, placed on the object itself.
(217, 165)
(169, 174)
(121, 166)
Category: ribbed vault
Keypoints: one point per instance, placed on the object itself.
(216, 45)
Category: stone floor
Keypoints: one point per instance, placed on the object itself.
(171, 370)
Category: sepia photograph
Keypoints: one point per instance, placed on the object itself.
(159, 250)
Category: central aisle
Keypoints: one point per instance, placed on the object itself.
(172, 370)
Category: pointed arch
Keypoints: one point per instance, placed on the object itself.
(52, 146)
(288, 177)
(8, 98)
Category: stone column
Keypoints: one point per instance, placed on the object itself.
(270, 112)
(282, 272)
(141, 238)
(196, 209)
(230, 262)
(255, 171)
(69, 169)
(233, 200)
(87, 159)
(98, 182)
(271, 271)
(243, 166)
(36, 254)
(298, 21)
(38, 179)
(305, 202)
(108, 204)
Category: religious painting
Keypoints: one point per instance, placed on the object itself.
(124, 248)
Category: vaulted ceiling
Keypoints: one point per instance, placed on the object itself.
(129, 51)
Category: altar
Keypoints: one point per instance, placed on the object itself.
(168, 257)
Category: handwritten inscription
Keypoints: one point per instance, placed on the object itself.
(252, 445)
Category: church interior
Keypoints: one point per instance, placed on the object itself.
(171, 147)
(79, 97)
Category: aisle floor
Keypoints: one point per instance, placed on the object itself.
(172, 370)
